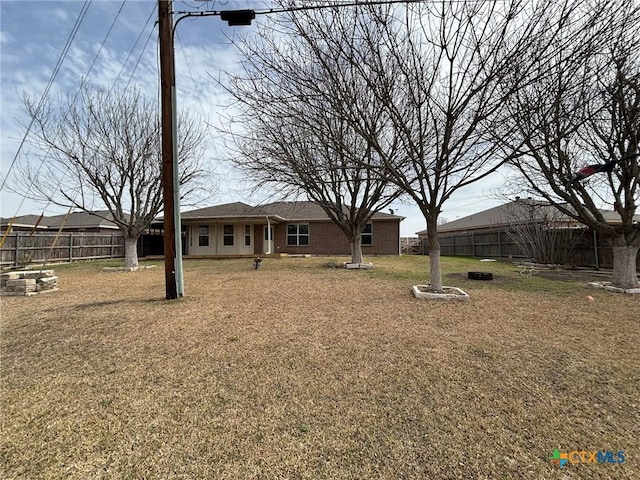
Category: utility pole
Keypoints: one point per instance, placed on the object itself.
(173, 272)
(167, 82)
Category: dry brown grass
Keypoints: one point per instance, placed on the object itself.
(299, 371)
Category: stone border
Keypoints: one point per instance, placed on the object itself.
(127, 269)
(609, 287)
(451, 293)
(359, 266)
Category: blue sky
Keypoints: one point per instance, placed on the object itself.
(33, 35)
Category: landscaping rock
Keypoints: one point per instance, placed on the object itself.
(28, 282)
(450, 293)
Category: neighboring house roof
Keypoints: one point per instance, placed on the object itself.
(516, 212)
(23, 221)
(281, 211)
(613, 218)
(74, 220)
(82, 220)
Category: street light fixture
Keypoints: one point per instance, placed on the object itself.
(238, 17)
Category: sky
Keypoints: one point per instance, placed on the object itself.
(116, 43)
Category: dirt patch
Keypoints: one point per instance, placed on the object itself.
(575, 275)
(456, 278)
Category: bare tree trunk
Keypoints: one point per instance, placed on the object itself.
(624, 263)
(356, 249)
(130, 251)
(434, 255)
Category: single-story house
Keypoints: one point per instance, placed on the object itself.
(293, 228)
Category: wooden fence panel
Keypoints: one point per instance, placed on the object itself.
(22, 249)
(588, 250)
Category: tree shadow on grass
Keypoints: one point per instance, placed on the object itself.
(107, 303)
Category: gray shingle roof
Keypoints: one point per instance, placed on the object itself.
(228, 210)
(23, 221)
(515, 212)
(98, 219)
(284, 211)
(75, 220)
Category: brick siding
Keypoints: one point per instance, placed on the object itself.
(325, 238)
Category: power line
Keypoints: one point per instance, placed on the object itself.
(135, 67)
(75, 98)
(322, 6)
(100, 48)
(153, 10)
(45, 94)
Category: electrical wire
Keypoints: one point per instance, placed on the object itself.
(75, 98)
(199, 97)
(153, 10)
(61, 58)
(144, 48)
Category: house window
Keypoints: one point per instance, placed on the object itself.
(247, 235)
(366, 237)
(227, 235)
(203, 235)
(298, 234)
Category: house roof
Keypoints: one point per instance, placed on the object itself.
(236, 210)
(23, 221)
(519, 211)
(280, 211)
(73, 220)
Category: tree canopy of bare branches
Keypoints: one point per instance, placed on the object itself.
(580, 108)
(438, 69)
(294, 136)
(93, 147)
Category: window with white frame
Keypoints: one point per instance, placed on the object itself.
(298, 234)
(203, 235)
(247, 235)
(366, 237)
(227, 235)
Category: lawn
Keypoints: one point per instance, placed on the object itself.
(301, 371)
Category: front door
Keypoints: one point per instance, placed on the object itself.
(268, 240)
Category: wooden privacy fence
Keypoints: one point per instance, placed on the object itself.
(587, 249)
(21, 249)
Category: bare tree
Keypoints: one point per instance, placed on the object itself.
(541, 231)
(438, 67)
(298, 74)
(576, 130)
(97, 147)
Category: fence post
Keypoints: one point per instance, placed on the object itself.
(595, 249)
(473, 244)
(499, 243)
(111, 250)
(70, 247)
(17, 250)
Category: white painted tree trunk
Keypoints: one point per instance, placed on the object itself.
(130, 252)
(434, 256)
(624, 264)
(356, 250)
